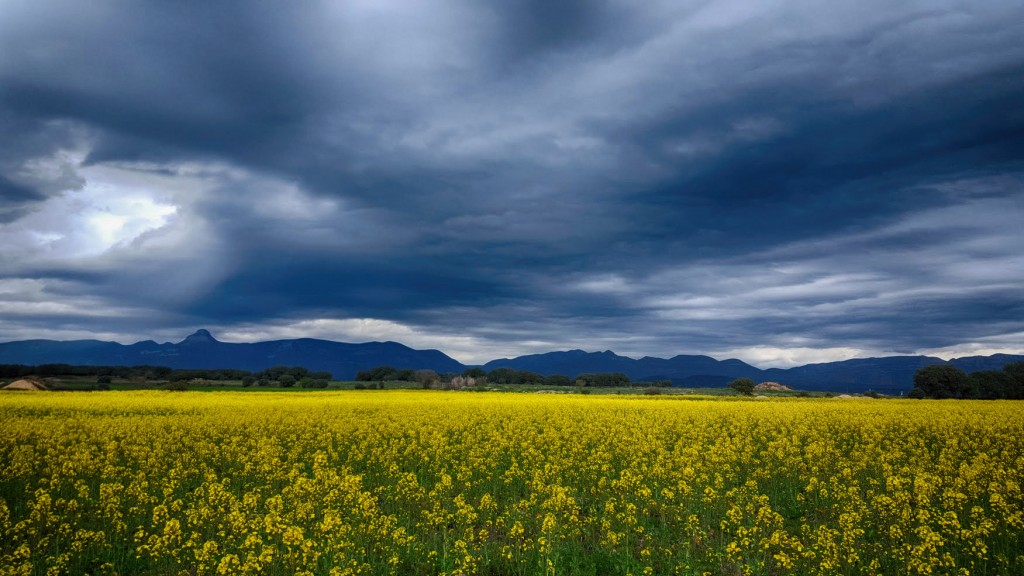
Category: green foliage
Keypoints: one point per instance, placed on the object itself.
(286, 381)
(744, 386)
(995, 385)
(313, 383)
(603, 380)
(558, 380)
(248, 381)
(512, 376)
(377, 374)
(917, 393)
(476, 373)
(942, 381)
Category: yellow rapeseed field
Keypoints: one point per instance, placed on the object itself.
(421, 482)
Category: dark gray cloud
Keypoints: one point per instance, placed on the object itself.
(780, 182)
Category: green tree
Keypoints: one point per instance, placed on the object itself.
(604, 379)
(502, 376)
(474, 373)
(744, 386)
(1015, 370)
(942, 381)
(557, 380)
(286, 380)
(990, 385)
(377, 374)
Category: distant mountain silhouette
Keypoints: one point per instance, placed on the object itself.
(682, 370)
(202, 350)
(891, 375)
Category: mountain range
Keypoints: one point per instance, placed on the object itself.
(893, 374)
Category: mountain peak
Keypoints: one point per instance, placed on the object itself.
(201, 336)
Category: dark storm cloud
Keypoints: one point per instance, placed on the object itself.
(699, 177)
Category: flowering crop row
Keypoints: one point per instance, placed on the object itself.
(422, 482)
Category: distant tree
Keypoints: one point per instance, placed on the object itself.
(502, 376)
(314, 383)
(475, 373)
(103, 379)
(427, 378)
(744, 386)
(377, 374)
(990, 384)
(273, 373)
(942, 381)
(917, 393)
(248, 381)
(286, 380)
(1015, 370)
(558, 380)
(298, 372)
(604, 379)
(160, 372)
(528, 377)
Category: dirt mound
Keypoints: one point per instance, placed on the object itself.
(772, 386)
(26, 384)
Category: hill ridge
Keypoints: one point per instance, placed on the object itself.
(201, 349)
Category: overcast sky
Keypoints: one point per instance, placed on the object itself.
(782, 181)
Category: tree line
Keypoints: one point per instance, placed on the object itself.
(282, 376)
(512, 376)
(945, 381)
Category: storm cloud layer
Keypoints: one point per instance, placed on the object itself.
(784, 182)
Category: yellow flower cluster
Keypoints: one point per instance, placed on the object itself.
(424, 482)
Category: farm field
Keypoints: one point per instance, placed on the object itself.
(429, 482)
